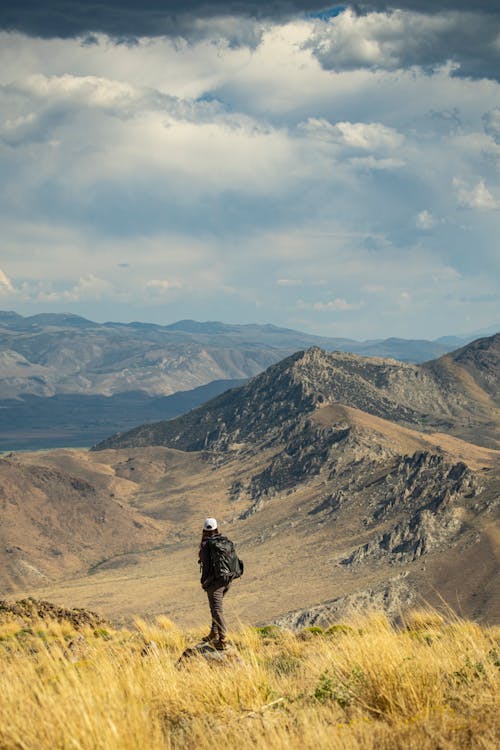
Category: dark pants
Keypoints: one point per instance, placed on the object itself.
(216, 593)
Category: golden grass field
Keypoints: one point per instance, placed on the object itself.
(366, 684)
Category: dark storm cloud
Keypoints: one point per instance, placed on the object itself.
(393, 41)
(430, 6)
(132, 18)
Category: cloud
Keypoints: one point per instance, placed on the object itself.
(88, 288)
(374, 288)
(426, 6)
(92, 91)
(5, 283)
(370, 162)
(491, 121)
(335, 305)
(131, 19)
(404, 38)
(245, 176)
(367, 34)
(362, 136)
(162, 286)
(425, 220)
(477, 196)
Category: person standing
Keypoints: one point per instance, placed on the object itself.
(219, 565)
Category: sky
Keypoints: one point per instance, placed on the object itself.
(330, 169)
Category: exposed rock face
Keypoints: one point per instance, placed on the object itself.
(392, 597)
(307, 449)
(418, 502)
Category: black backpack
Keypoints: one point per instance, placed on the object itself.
(225, 562)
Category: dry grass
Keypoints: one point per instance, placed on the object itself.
(366, 685)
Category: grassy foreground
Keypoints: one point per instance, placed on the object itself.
(366, 685)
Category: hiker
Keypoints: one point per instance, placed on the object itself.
(219, 566)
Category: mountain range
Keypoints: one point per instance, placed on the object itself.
(457, 392)
(345, 481)
(68, 381)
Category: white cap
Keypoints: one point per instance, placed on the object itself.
(210, 524)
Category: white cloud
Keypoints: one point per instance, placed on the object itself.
(335, 305)
(162, 285)
(425, 220)
(477, 196)
(5, 283)
(289, 282)
(364, 136)
(92, 91)
(88, 288)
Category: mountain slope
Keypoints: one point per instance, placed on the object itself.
(56, 522)
(343, 505)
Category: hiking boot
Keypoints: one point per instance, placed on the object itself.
(220, 644)
(210, 637)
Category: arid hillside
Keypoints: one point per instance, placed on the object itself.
(320, 471)
(55, 522)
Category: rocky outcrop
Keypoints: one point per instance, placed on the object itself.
(422, 494)
(306, 452)
(391, 597)
(29, 611)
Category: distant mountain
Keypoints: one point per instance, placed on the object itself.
(51, 354)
